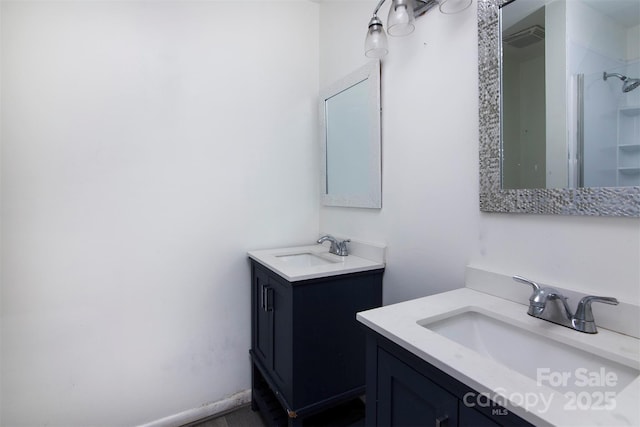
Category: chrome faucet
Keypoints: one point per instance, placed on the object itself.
(540, 307)
(337, 247)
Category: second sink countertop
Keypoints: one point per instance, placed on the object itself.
(399, 323)
(293, 273)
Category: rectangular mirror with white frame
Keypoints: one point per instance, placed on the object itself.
(558, 159)
(350, 140)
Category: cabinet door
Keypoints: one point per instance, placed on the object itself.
(279, 305)
(262, 318)
(272, 330)
(406, 398)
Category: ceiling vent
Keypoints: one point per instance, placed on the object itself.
(526, 37)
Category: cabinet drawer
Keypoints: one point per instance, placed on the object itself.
(404, 390)
(406, 398)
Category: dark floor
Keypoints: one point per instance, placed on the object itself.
(350, 414)
(242, 417)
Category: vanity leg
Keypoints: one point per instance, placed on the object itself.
(254, 404)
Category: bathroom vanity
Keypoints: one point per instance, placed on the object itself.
(474, 357)
(307, 349)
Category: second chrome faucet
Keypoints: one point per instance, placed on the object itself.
(337, 247)
(541, 306)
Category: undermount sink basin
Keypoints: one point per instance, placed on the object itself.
(306, 259)
(550, 362)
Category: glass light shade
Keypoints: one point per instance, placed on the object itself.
(401, 18)
(375, 45)
(450, 7)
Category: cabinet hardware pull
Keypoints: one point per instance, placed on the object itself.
(442, 421)
(263, 298)
(269, 299)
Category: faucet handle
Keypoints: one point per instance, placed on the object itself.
(343, 250)
(584, 312)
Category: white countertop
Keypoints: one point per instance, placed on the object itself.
(399, 323)
(270, 258)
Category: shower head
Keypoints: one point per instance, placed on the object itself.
(627, 84)
(630, 84)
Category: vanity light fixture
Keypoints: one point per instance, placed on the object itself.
(400, 21)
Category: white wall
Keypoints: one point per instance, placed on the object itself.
(511, 132)
(593, 29)
(523, 128)
(533, 122)
(146, 146)
(430, 217)
(633, 47)
(557, 121)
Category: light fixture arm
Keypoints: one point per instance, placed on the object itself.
(380, 3)
(420, 7)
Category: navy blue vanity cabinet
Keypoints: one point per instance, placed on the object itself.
(307, 349)
(404, 390)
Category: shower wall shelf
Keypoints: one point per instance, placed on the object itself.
(629, 145)
(630, 111)
(630, 148)
(629, 171)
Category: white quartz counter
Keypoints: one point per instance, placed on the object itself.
(401, 323)
(275, 259)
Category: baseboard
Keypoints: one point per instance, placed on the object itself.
(216, 408)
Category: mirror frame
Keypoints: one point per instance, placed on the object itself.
(371, 73)
(598, 201)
